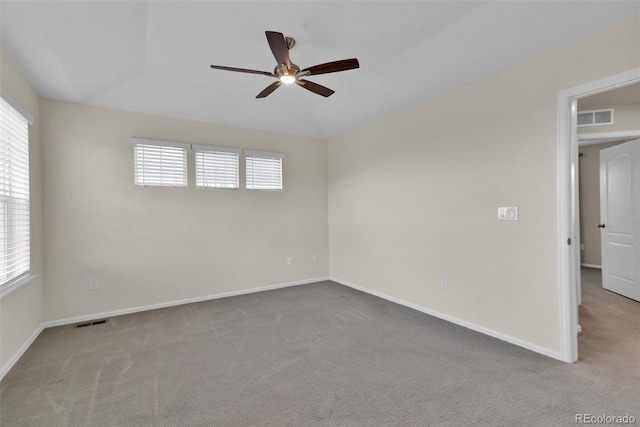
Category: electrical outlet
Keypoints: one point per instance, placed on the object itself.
(94, 285)
(508, 213)
(444, 283)
(289, 260)
(314, 258)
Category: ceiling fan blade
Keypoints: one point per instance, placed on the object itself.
(332, 67)
(267, 91)
(243, 70)
(315, 88)
(279, 47)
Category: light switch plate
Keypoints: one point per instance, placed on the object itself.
(508, 213)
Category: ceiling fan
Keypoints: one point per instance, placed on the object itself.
(286, 72)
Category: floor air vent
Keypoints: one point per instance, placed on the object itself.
(91, 323)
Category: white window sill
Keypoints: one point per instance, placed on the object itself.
(10, 287)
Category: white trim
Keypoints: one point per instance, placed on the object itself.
(207, 148)
(16, 105)
(158, 142)
(18, 354)
(567, 301)
(591, 266)
(594, 138)
(138, 309)
(9, 288)
(567, 163)
(264, 154)
(455, 320)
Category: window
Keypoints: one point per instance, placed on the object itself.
(160, 163)
(217, 167)
(14, 195)
(595, 117)
(264, 170)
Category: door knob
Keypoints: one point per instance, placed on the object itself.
(600, 225)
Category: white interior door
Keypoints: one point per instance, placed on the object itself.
(620, 218)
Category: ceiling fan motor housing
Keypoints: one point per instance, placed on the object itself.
(281, 70)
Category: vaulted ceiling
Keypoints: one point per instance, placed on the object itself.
(154, 56)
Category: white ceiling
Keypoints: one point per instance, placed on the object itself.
(154, 56)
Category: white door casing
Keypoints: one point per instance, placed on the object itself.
(567, 157)
(620, 218)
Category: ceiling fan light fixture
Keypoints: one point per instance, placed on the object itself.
(287, 79)
(287, 75)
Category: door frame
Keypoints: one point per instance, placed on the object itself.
(568, 215)
(587, 139)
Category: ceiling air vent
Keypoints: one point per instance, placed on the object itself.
(595, 118)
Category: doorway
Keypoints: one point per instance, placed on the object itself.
(606, 120)
(608, 321)
(568, 204)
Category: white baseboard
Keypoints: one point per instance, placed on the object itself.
(70, 320)
(469, 325)
(464, 323)
(138, 309)
(592, 266)
(18, 354)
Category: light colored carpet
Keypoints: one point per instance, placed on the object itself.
(610, 340)
(313, 355)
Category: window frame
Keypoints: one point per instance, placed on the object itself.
(160, 144)
(22, 187)
(264, 155)
(212, 149)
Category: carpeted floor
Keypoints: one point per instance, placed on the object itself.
(312, 355)
(609, 343)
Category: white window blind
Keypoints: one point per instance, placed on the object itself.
(160, 163)
(217, 167)
(14, 194)
(264, 170)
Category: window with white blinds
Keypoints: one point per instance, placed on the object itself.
(217, 167)
(264, 170)
(160, 163)
(14, 195)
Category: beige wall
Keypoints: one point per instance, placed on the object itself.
(625, 117)
(589, 171)
(21, 311)
(154, 245)
(414, 197)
